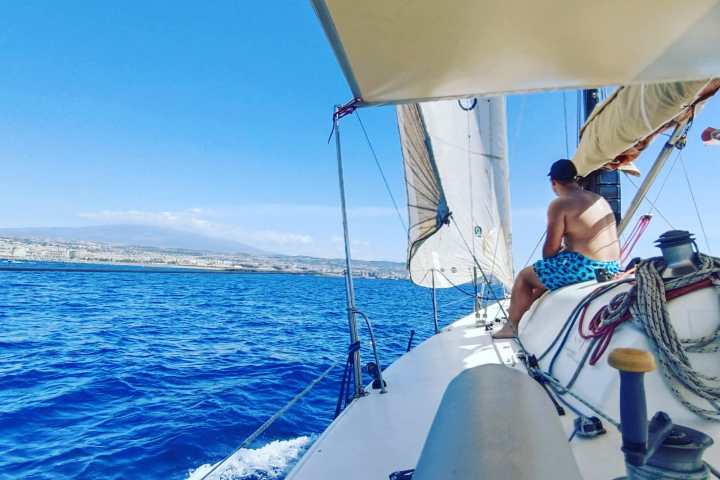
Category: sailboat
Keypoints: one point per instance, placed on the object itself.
(611, 378)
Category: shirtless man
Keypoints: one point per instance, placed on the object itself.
(581, 239)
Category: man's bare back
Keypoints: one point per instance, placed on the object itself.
(581, 241)
(588, 224)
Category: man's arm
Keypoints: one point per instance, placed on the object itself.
(555, 229)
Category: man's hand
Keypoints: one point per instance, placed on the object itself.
(555, 228)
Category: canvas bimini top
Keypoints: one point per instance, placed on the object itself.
(395, 51)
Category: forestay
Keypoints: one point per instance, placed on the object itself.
(397, 51)
(456, 174)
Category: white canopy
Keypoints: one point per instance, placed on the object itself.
(396, 51)
(456, 173)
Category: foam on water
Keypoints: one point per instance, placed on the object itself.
(267, 462)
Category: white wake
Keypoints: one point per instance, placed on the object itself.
(267, 462)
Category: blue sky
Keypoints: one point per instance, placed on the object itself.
(214, 118)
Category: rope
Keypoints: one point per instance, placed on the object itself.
(694, 202)
(519, 122)
(382, 173)
(456, 287)
(527, 262)
(664, 182)
(713, 470)
(570, 323)
(652, 204)
(344, 395)
(560, 389)
(374, 349)
(646, 304)
(262, 428)
(634, 237)
(565, 121)
(578, 102)
(470, 176)
(482, 272)
(343, 111)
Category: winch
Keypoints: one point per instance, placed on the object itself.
(658, 450)
(679, 251)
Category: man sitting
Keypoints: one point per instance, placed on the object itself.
(581, 239)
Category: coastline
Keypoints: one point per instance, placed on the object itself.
(117, 267)
(173, 259)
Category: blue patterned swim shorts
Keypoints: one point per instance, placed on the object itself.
(567, 268)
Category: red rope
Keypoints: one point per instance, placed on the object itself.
(604, 332)
(634, 236)
(343, 111)
(347, 109)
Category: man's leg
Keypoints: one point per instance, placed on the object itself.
(526, 289)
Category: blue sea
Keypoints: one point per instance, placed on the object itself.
(131, 372)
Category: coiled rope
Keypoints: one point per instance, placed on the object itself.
(646, 305)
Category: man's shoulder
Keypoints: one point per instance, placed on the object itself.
(560, 203)
(558, 207)
(595, 198)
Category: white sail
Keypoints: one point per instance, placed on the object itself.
(456, 173)
(422, 50)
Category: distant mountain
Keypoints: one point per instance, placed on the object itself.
(133, 235)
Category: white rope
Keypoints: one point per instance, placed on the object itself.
(647, 304)
(470, 177)
(651, 312)
(560, 389)
(565, 123)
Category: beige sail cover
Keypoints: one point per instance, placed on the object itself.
(627, 121)
(456, 164)
(395, 51)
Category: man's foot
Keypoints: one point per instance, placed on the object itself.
(507, 331)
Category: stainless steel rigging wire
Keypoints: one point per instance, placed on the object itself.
(654, 206)
(262, 428)
(692, 197)
(542, 236)
(664, 182)
(482, 272)
(382, 172)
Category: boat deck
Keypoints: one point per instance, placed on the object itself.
(383, 433)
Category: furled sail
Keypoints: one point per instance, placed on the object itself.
(456, 174)
(621, 127)
(399, 51)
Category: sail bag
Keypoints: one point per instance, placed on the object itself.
(621, 127)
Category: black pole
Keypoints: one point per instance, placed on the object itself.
(605, 183)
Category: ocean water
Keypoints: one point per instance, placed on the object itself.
(142, 373)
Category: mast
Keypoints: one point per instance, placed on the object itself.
(605, 183)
